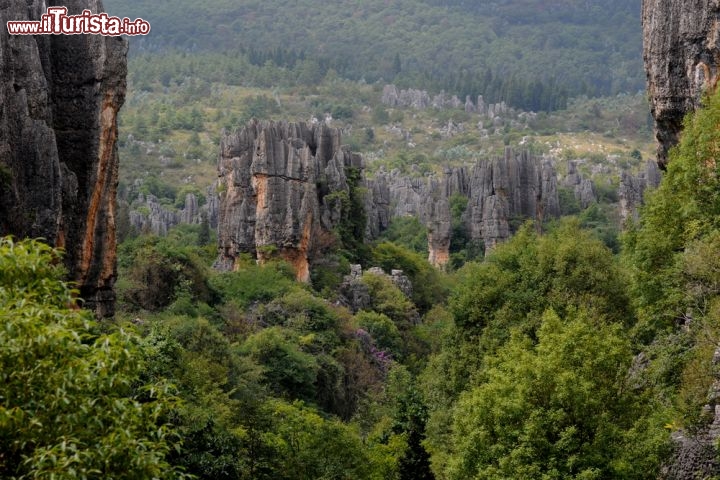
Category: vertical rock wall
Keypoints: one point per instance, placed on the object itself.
(682, 52)
(502, 192)
(59, 99)
(283, 188)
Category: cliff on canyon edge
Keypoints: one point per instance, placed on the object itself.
(682, 52)
(59, 99)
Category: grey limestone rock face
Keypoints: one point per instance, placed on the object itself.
(148, 215)
(681, 41)
(582, 187)
(512, 187)
(402, 281)
(394, 97)
(355, 294)
(390, 96)
(282, 186)
(420, 99)
(469, 106)
(632, 190)
(439, 226)
(695, 455)
(191, 211)
(377, 206)
(500, 191)
(59, 99)
(158, 220)
(586, 193)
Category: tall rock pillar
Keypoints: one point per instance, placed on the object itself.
(59, 99)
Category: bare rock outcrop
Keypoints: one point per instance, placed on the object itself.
(632, 190)
(377, 206)
(392, 96)
(501, 193)
(681, 52)
(582, 187)
(284, 187)
(504, 189)
(355, 294)
(439, 227)
(147, 214)
(59, 99)
(695, 454)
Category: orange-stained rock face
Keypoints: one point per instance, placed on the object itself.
(438, 258)
(296, 257)
(259, 183)
(278, 178)
(58, 154)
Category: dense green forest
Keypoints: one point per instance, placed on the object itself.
(505, 50)
(521, 365)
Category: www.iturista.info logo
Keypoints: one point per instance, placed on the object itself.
(57, 22)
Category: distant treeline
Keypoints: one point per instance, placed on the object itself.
(532, 53)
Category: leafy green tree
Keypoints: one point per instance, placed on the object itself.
(566, 269)
(684, 208)
(310, 447)
(407, 232)
(380, 115)
(71, 401)
(409, 417)
(429, 284)
(287, 370)
(381, 329)
(220, 390)
(253, 283)
(569, 204)
(388, 300)
(309, 72)
(557, 409)
(159, 271)
(260, 107)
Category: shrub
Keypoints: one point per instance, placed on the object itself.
(71, 401)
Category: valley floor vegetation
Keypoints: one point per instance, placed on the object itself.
(519, 365)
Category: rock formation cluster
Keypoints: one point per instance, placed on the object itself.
(59, 99)
(355, 294)
(582, 187)
(392, 96)
(148, 215)
(281, 184)
(632, 189)
(500, 192)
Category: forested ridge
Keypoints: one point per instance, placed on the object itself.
(469, 48)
